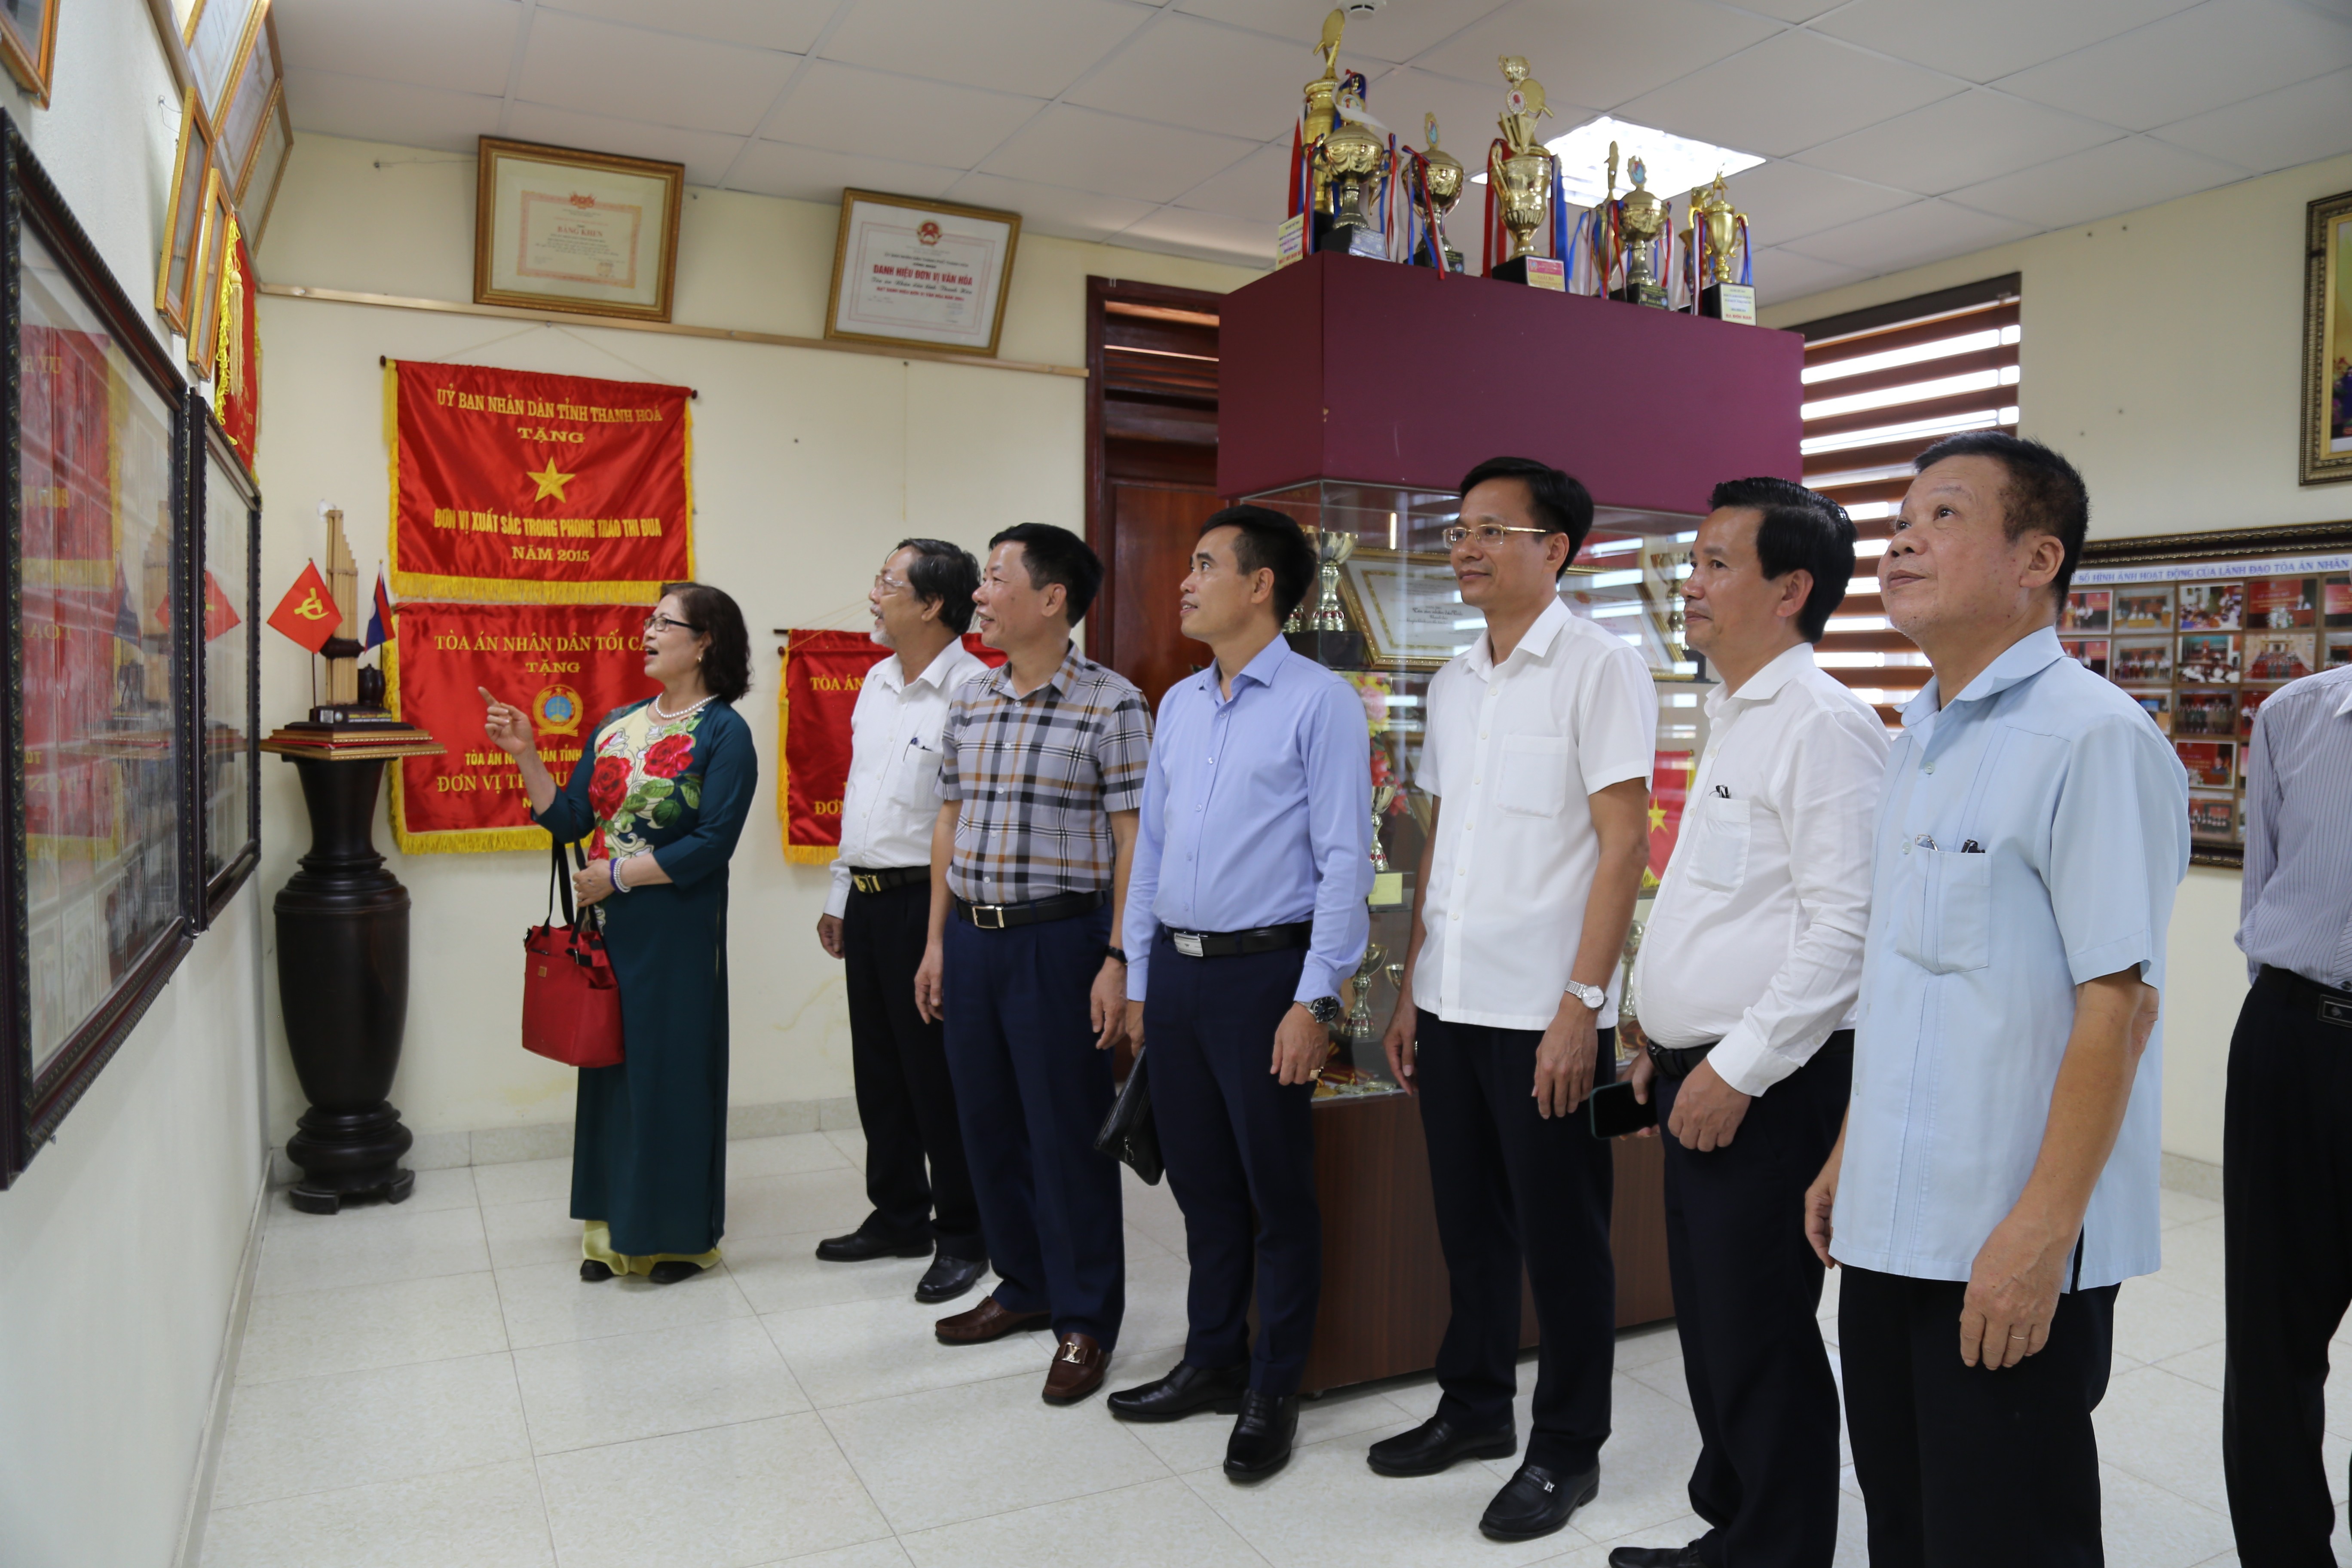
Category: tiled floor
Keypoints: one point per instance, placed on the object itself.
(432, 1384)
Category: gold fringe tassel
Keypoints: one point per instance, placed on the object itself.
(392, 465)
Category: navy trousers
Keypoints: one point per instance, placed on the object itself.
(1516, 1191)
(1032, 1091)
(1240, 1151)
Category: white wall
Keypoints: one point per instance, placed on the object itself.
(122, 1238)
(2161, 353)
(809, 465)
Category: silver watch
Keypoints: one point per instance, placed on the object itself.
(1592, 996)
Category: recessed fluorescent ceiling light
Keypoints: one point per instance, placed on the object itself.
(1672, 164)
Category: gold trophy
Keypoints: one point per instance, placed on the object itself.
(1332, 547)
(1350, 158)
(1640, 218)
(1382, 795)
(1321, 106)
(1359, 1024)
(1716, 228)
(1445, 177)
(1521, 169)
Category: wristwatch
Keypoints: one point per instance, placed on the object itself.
(1592, 996)
(1326, 1010)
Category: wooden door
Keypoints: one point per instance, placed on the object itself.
(1156, 530)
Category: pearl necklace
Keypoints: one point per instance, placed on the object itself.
(667, 717)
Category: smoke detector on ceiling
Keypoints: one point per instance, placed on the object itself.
(1362, 8)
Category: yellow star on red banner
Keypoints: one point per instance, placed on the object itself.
(1657, 816)
(551, 483)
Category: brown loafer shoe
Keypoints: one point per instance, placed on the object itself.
(1077, 1370)
(985, 1323)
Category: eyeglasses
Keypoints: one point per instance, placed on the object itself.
(1486, 533)
(656, 621)
(885, 585)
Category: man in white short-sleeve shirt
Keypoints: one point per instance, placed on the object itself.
(1537, 756)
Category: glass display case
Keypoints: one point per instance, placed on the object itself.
(1387, 614)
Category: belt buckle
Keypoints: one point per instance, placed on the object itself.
(2340, 1014)
(1188, 942)
(982, 914)
(864, 883)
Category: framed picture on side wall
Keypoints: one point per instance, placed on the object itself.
(920, 274)
(558, 229)
(204, 300)
(191, 180)
(2326, 442)
(28, 45)
(223, 652)
(266, 172)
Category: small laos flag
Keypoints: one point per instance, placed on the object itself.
(379, 630)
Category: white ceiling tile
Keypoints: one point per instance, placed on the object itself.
(458, 46)
(1212, 237)
(2298, 124)
(705, 153)
(1786, 201)
(593, 67)
(1971, 136)
(1185, 71)
(850, 110)
(1050, 209)
(1788, 93)
(816, 175)
(1806, 10)
(1907, 236)
(2119, 177)
(1089, 151)
(1466, 111)
(2219, 52)
(1983, 39)
(1396, 32)
(397, 112)
(1257, 188)
(1039, 52)
(791, 26)
(1597, 51)
(1783, 275)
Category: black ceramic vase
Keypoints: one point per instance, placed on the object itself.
(342, 984)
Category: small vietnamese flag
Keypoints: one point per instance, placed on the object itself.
(220, 611)
(380, 621)
(307, 613)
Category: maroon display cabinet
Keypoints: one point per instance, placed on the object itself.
(1354, 395)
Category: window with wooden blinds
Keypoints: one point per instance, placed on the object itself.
(1881, 385)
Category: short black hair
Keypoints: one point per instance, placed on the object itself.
(946, 573)
(1267, 541)
(727, 665)
(1797, 528)
(1560, 501)
(1057, 555)
(2044, 493)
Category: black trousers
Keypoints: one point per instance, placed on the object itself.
(1960, 1466)
(2286, 1194)
(1516, 1191)
(1240, 1151)
(905, 1101)
(1746, 1289)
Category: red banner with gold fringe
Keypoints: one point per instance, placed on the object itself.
(566, 665)
(551, 489)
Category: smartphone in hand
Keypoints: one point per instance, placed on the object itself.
(1615, 1112)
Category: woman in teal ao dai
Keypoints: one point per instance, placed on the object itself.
(663, 787)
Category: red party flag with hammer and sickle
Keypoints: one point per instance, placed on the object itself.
(307, 613)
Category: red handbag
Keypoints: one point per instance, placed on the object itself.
(570, 999)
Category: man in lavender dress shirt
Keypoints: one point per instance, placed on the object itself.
(1245, 908)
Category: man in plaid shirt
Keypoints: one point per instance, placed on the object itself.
(1041, 780)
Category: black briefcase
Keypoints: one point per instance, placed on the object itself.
(1127, 1132)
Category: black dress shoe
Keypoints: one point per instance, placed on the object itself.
(948, 1278)
(594, 1273)
(673, 1270)
(1261, 1441)
(1183, 1392)
(1536, 1502)
(1656, 1557)
(861, 1246)
(1435, 1444)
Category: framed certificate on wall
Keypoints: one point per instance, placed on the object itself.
(921, 274)
(28, 45)
(556, 229)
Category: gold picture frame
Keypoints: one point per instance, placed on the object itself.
(204, 305)
(267, 172)
(245, 111)
(1402, 628)
(927, 273)
(556, 229)
(31, 54)
(184, 212)
(2326, 445)
(218, 35)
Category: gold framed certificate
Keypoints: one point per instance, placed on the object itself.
(28, 45)
(557, 228)
(921, 274)
(186, 212)
(1408, 606)
(268, 169)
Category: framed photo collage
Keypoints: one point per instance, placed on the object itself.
(2201, 630)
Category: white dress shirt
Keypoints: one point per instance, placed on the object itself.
(1755, 940)
(1512, 752)
(887, 811)
(2295, 909)
(2031, 839)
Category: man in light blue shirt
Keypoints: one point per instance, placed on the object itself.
(1998, 1174)
(1252, 860)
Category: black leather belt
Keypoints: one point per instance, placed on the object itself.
(884, 880)
(1681, 1061)
(1060, 907)
(2333, 1006)
(1229, 944)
